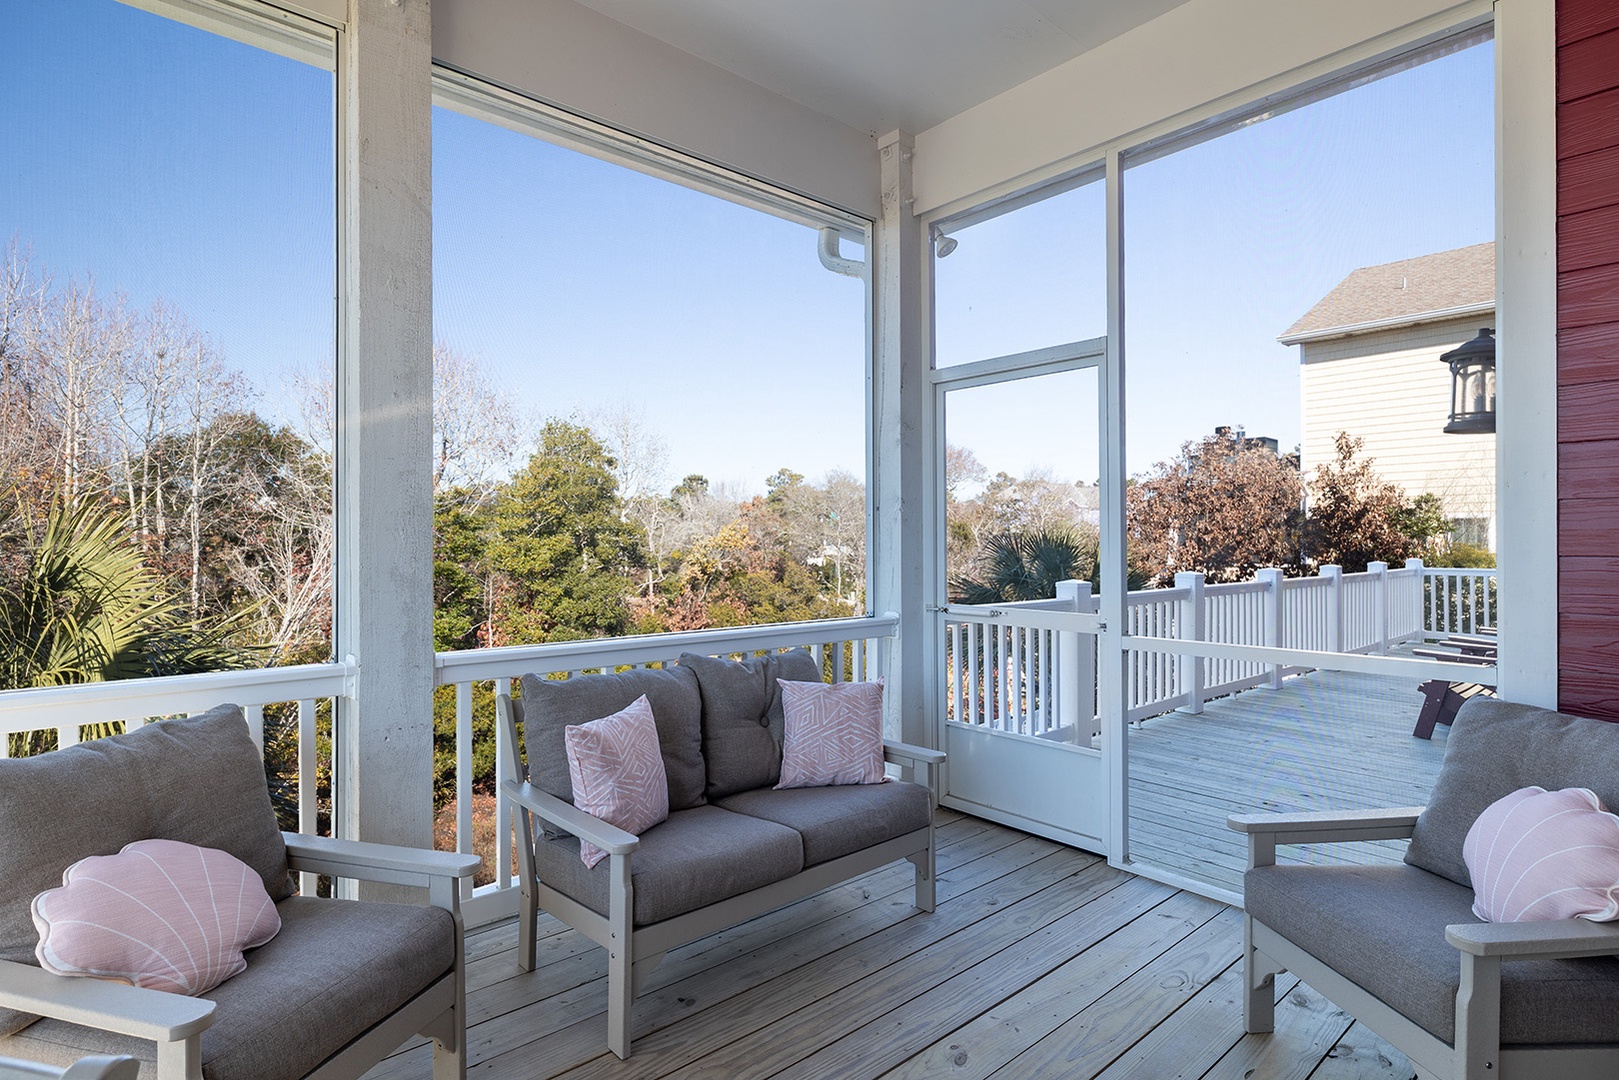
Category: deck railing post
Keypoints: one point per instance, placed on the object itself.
(1271, 577)
(1411, 605)
(1189, 626)
(1380, 605)
(1073, 671)
(1334, 577)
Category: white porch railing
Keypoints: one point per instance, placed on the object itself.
(127, 705)
(1457, 600)
(1000, 668)
(848, 649)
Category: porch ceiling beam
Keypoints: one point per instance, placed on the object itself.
(384, 603)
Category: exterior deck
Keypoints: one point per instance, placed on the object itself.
(1323, 741)
(1040, 961)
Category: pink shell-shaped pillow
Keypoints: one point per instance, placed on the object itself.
(1538, 854)
(159, 914)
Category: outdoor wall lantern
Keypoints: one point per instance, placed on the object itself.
(1472, 386)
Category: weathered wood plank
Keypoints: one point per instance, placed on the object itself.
(1588, 297)
(1588, 693)
(899, 1033)
(899, 956)
(1307, 1027)
(1177, 935)
(1361, 1055)
(1590, 238)
(1195, 1037)
(1588, 181)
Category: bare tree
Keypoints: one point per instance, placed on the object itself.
(477, 431)
(640, 456)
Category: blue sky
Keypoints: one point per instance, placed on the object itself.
(166, 162)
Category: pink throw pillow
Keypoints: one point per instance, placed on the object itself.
(159, 914)
(833, 734)
(617, 772)
(1538, 854)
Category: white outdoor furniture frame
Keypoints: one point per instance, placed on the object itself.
(176, 1022)
(633, 952)
(1482, 947)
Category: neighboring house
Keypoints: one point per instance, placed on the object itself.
(1369, 365)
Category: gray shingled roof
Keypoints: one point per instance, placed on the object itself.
(1403, 291)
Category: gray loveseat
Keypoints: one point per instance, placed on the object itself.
(732, 847)
(1399, 948)
(342, 984)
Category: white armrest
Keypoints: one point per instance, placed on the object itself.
(1330, 825)
(610, 838)
(919, 755)
(360, 859)
(1548, 940)
(109, 1006)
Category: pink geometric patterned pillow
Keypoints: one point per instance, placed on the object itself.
(617, 772)
(159, 914)
(833, 734)
(1538, 854)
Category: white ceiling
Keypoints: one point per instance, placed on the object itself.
(878, 65)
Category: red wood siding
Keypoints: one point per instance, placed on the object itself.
(1588, 355)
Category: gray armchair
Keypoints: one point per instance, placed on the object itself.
(1398, 946)
(341, 986)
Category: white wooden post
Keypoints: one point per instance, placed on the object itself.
(1411, 612)
(1334, 576)
(1189, 627)
(383, 610)
(1272, 578)
(1380, 605)
(1076, 667)
(901, 398)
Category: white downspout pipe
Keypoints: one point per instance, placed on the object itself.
(835, 262)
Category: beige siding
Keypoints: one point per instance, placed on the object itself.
(1390, 389)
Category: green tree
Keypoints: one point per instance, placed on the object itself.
(85, 607)
(1027, 565)
(561, 548)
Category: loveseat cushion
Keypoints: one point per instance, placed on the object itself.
(198, 780)
(742, 716)
(358, 961)
(836, 821)
(1496, 747)
(695, 858)
(1383, 928)
(550, 705)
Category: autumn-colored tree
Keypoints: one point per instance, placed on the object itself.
(1223, 507)
(1357, 517)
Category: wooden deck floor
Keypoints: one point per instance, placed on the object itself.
(1323, 741)
(1041, 961)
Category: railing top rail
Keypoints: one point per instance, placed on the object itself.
(1144, 597)
(472, 665)
(1460, 571)
(104, 702)
(1236, 588)
(1295, 584)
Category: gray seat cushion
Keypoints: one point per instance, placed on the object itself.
(1383, 928)
(336, 968)
(550, 705)
(695, 858)
(1496, 747)
(835, 821)
(198, 780)
(742, 716)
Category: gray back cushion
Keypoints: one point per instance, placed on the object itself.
(550, 705)
(1496, 747)
(198, 780)
(742, 716)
